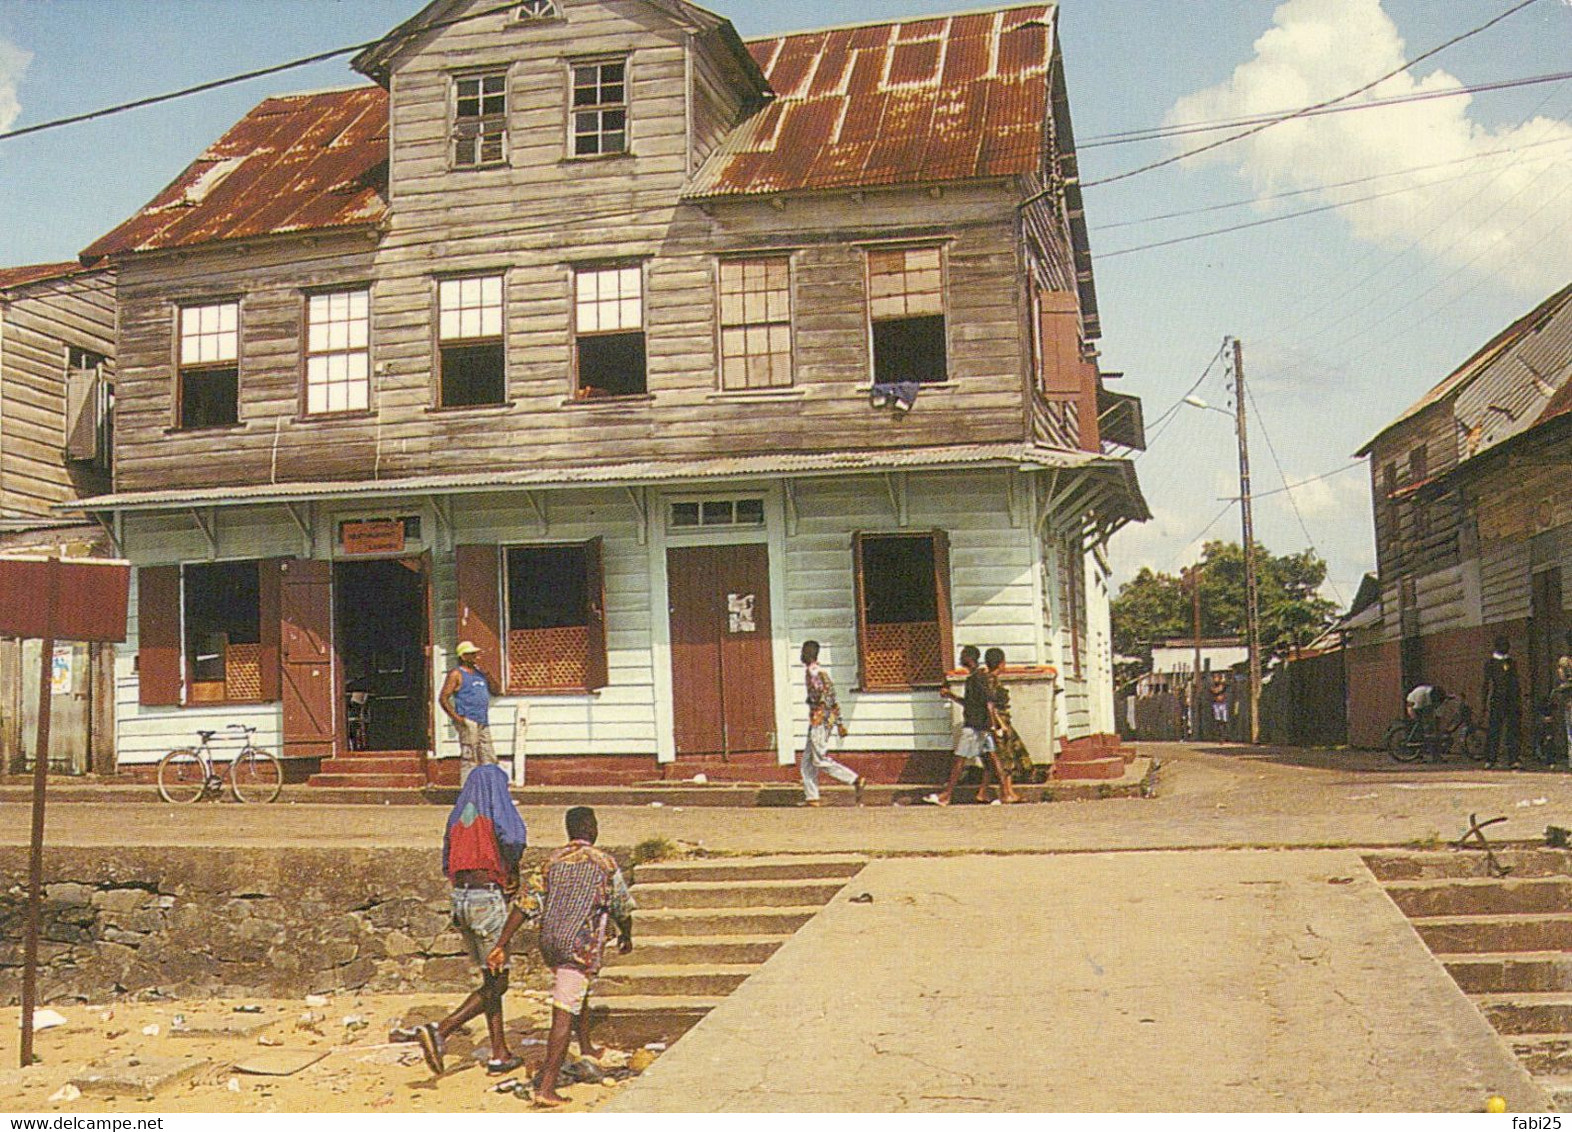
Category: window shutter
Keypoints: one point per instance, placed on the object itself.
(82, 413)
(479, 601)
(596, 674)
(1060, 335)
(270, 613)
(941, 594)
(862, 612)
(159, 675)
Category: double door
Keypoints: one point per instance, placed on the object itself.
(723, 673)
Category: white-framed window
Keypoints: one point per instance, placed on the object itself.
(480, 120)
(906, 313)
(608, 323)
(209, 369)
(472, 358)
(689, 514)
(338, 352)
(755, 323)
(600, 107)
(556, 623)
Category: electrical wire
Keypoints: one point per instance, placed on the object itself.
(1303, 111)
(1166, 418)
(1310, 479)
(1193, 539)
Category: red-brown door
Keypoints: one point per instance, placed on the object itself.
(306, 656)
(723, 673)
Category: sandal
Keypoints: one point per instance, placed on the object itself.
(933, 800)
(857, 788)
(431, 1047)
(495, 1068)
(404, 1034)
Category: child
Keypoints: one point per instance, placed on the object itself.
(824, 712)
(975, 746)
(573, 896)
(1013, 757)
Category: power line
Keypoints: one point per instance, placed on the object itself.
(1290, 487)
(1218, 518)
(1166, 418)
(1303, 111)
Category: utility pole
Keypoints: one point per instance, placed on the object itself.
(1195, 684)
(1252, 596)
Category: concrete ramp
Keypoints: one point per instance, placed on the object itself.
(1167, 982)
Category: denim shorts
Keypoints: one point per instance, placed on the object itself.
(478, 914)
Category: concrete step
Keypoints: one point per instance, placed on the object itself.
(1476, 934)
(1481, 896)
(376, 764)
(697, 950)
(735, 893)
(1558, 1087)
(631, 1021)
(1089, 770)
(1436, 864)
(750, 868)
(652, 979)
(368, 781)
(1510, 972)
(1548, 1012)
(724, 921)
(1544, 1053)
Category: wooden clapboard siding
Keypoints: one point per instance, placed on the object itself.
(38, 326)
(1408, 542)
(1505, 581)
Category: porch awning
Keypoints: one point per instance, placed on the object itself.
(1117, 474)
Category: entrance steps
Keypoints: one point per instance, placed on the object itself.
(703, 926)
(381, 770)
(1506, 941)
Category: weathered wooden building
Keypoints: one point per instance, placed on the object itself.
(635, 354)
(1472, 502)
(57, 329)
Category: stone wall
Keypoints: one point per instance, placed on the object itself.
(265, 922)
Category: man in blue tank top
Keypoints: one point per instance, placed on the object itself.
(466, 697)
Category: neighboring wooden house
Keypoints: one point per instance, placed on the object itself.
(1471, 505)
(57, 329)
(636, 355)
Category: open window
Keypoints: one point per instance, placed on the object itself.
(755, 323)
(600, 107)
(556, 629)
(230, 619)
(904, 630)
(472, 359)
(90, 408)
(338, 352)
(906, 309)
(609, 347)
(209, 367)
(480, 120)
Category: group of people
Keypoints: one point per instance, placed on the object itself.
(1502, 695)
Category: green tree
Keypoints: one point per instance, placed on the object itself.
(1154, 606)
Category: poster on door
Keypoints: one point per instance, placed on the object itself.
(60, 671)
(739, 613)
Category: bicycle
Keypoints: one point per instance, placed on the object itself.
(1406, 741)
(188, 774)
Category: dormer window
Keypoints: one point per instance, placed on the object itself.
(538, 10)
(480, 120)
(600, 107)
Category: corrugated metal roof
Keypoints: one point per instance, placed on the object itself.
(37, 273)
(635, 473)
(923, 100)
(297, 163)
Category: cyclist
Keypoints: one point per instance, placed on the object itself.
(1423, 702)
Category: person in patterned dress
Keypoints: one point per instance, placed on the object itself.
(574, 897)
(824, 712)
(1014, 759)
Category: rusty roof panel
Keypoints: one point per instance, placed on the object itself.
(933, 99)
(296, 163)
(37, 273)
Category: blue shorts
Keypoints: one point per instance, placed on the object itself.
(478, 915)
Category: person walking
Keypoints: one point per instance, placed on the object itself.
(824, 712)
(1563, 698)
(466, 697)
(975, 745)
(1013, 757)
(1503, 700)
(480, 855)
(573, 896)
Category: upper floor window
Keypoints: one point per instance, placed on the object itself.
(609, 332)
(209, 371)
(538, 10)
(480, 120)
(472, 360)
(755, 322)
(338, 352)
(600, 107)
(90, 408)
(906, 308)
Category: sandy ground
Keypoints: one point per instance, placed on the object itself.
(358, 1072)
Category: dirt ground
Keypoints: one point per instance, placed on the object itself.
(201, 1057)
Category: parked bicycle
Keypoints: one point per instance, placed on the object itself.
(1406, 741)
(187, 774)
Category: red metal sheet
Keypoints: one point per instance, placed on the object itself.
(90, 604)
(36, 273)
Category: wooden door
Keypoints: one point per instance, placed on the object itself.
(306, 658)
(1545, 632)
(723, 675)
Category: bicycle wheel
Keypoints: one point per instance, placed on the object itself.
(255, 776)
(1399, 746)
(1473, 744)
(181, 776)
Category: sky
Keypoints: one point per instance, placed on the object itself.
(1430, 225)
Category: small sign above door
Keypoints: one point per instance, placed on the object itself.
(739, 613)
(372, 536)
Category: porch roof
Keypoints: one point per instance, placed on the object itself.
(1122, 503)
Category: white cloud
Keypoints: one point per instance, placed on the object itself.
(13, 65)
(1512, 219)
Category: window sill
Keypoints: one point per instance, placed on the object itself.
(558, 693)
(583, 158)
(198, 430)
(609, 402)
(925, 387)
(447, 410)
(190, 705)
(784, 393)
(902, 689)
(488, 167)
(329, 418)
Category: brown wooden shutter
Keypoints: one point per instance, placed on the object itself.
(479, 601)
(862, 612)
(270, 572)
(158, 636)
(941, 595)
(596, 674)
(1060, 332)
